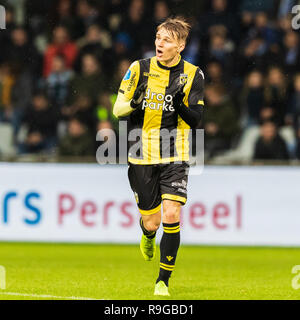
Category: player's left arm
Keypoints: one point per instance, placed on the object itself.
(193, 113)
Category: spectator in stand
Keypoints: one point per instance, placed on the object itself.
(284, 25)
(252, 55)
(276, 92)
(6, 85)
(123, 66)
(89, 12)
(192, 50)
(20, 50)
(115, 7)
(214, 73)
(220, 120)
(252, 98)
(135, 19)
(62, 45)
(62, 13)
(246, 24)
(21, 94)
(96, 42)
(37, 12)
(58, 82)
(122, 47)
(270, 145)
(161, 12)
(16, 91)
(220, 49)
(266, 30)
(293, 113)
(291, 53)
(219, 15)
(257, 5)
(263, 29)
(268, 114)
(84, 110)
(78, 141)
(91, 81)
(41, 121)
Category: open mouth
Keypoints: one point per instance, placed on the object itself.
(159, 52)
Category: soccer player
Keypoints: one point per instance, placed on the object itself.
(158, 95)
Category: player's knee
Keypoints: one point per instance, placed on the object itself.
(171, 215)
(152, 225)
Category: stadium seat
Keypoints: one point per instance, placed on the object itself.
(6, 140)
(245, 148)
(22, 134)
(288, 134)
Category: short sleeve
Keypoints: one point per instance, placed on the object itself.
(130, 80)
(196, 95)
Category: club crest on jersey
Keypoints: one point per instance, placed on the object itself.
(183, 78)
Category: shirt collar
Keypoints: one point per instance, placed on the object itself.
(166, 67)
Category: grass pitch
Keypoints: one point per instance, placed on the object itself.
(58, 271)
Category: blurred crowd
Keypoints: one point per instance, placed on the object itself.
(62, 61)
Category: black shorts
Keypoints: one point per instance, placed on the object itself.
(153, 183)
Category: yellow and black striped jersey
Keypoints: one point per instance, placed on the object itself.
(157, 113)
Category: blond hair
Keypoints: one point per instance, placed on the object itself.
(177, 26)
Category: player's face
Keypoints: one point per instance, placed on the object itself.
(167, 47)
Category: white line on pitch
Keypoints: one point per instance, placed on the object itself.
(33, 295)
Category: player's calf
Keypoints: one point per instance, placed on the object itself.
(147, 244)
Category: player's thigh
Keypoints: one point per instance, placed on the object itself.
(144, 182)
(173, 181)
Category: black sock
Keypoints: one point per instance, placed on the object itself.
(169, 245)
(148, 234)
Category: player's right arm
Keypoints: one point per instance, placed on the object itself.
(123, 106)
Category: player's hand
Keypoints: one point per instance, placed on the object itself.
(138, 96)
(178, 97)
